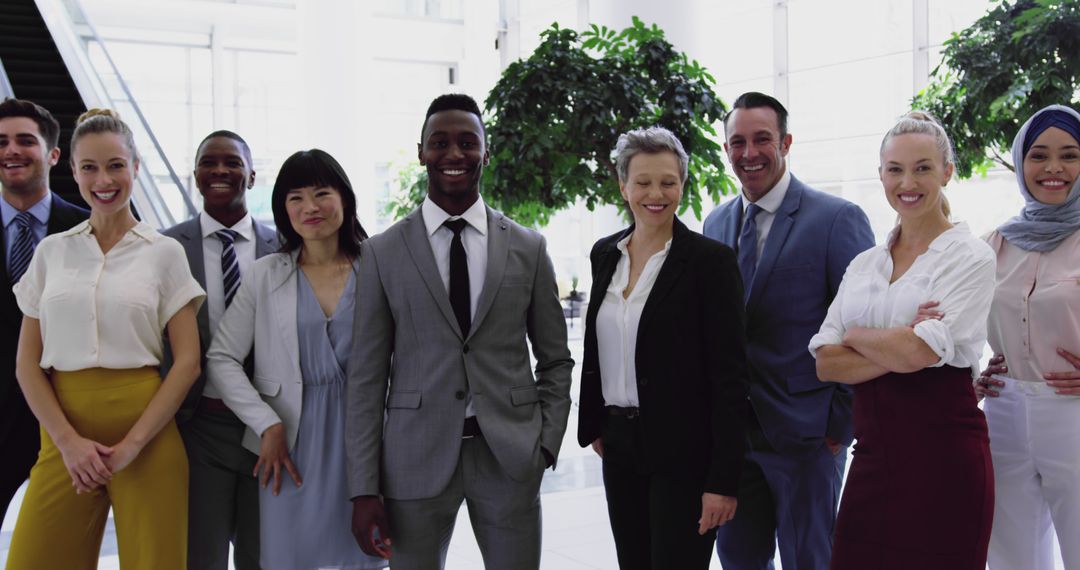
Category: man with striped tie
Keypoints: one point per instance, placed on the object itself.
(221, 243)
(29, 138)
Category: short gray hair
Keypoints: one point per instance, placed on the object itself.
(652, 140)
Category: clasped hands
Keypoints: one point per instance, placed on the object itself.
(91, 464)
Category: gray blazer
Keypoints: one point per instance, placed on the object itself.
(189, 234)
(262, 317)
(410, 368)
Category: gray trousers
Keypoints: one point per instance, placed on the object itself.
(223, 498)
(505, 516)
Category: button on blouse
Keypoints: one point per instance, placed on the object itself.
(1036, 307)
(957, 270)
(105, 310)
(617, 324)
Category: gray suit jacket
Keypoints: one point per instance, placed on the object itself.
(189, 234)
(410, 367)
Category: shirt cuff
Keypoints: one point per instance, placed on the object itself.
(938, 337)
(821, 339)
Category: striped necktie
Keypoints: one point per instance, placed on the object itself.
(22, 248)
(230, 267)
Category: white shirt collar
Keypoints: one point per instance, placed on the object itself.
(772, 199)
(209, 226)
(434, 216)
(624, 242)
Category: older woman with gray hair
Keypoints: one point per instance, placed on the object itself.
(663, 387)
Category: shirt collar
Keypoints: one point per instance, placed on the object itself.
(772, 199)
(40, 210)
(434, 216)
(141, 229)
(624, 242)
(209, 226)
(940, 243)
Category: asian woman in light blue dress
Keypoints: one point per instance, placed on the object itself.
(294, 313)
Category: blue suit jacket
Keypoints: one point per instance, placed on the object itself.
(813, 238)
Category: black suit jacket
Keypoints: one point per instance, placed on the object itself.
(690, 361)
(63, 215)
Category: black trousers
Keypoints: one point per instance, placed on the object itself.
(654, 512)
(20, 441)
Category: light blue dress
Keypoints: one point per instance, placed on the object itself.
(309, 528)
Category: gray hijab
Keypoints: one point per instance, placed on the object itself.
(1041, 227)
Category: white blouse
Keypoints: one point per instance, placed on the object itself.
(105, 310)
(617, 324)
(957, 271)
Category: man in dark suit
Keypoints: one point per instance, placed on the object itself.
(794, 244)
(221, 243)
(28, 149)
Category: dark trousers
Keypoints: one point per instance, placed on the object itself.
(785, 499)
(654, 512)
(224, 497)
(20, 441)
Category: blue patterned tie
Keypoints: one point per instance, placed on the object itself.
(230, 267)
(22, 249)
(748, 247)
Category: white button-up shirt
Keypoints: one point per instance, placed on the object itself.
(617, 326)
(105, 310)
(957, 270)
(769, 204)
(475, 241)
(244, 246)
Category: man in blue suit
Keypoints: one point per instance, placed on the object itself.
(794, 244)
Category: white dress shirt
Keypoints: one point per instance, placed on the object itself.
(105, 310)
(244, 246)
(475, 240)
(617, 326)
(769, 204)
(957, 270)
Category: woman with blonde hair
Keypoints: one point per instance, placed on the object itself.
(906, 328)
(97, 299)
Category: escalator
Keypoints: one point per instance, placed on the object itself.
(37, 72)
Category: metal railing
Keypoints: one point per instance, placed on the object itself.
(5, 84)
(161, 204)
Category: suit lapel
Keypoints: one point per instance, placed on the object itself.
(778, 234)
(283, 299)
(605, 270)
(669, 274)
(266, 241)
(416, 241)
(190, 237)
(733, 217)
(498, 247)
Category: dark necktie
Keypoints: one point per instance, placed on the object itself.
(22, 248)
(459, 277)
(230, 267)
(748, 247)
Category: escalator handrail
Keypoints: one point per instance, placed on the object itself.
(6, 90)
(188, 203)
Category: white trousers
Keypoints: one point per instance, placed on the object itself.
(1035, 444)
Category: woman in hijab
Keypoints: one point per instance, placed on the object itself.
(1033, 382)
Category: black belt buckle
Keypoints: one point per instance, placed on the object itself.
(471, 429)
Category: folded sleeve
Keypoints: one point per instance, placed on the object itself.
(832, 328)
(965, 290)
(176, 287)
(28, 289)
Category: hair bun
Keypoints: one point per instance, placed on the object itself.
(920, 115)
(96, 112)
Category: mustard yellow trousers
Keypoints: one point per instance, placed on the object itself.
(58, 528)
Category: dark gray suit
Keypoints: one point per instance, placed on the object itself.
(223, 496)
(19, 439)
(411, 370)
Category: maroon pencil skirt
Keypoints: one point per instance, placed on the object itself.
(920, 491)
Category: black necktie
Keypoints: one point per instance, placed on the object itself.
(459, 277)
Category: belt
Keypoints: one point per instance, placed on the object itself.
(472, 428)
(213, 405)
(628, 413)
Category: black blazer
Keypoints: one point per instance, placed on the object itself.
(691, 359)
(63, 215)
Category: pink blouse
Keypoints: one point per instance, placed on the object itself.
(1036, 307)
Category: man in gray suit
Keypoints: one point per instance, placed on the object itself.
(221, 243)
(442, 404)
